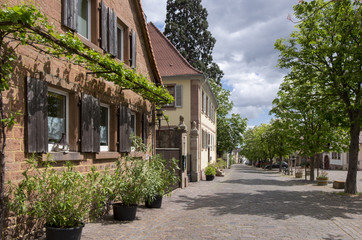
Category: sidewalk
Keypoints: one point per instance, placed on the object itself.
(248, 203)
(337, 175)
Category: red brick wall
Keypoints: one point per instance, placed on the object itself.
(74, 80)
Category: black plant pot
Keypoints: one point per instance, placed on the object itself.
(210, 177)
(124, 213)
(54, 233)
(156, 203)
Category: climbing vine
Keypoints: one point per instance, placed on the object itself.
(24, 25)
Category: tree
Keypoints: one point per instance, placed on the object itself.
(186, 28)
(229, 128)
(251, 148)
(24, 25)
(281, 136)
(309, 132)
(326, 50)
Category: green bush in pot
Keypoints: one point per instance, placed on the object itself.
(210, 172)
(160, 177)
(61, 197)
(128, 187)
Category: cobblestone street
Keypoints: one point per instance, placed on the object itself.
(248, 203)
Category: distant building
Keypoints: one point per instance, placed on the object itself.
(194, 100)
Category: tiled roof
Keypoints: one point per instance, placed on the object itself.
(169, 61)
(156, 72)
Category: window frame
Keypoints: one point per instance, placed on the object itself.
(66, 94)
(120, 38)
(105, 148)
(89, 20)
(134, 123)
(178, 104)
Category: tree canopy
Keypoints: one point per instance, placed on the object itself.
(230, 129)
(325, 52)
(187, 29)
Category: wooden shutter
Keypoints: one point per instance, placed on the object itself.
(178, 95)
(104, 27)
(144, 128)
(124, 129)
(134, 48)
(70, 14)
(112, 30)
(90, 120)
(37, 113)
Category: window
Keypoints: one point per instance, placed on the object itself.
(203, 101)
(104, 127)
(178, 95)
(171, 90)
(57, 117)
(120, 34)
(133, 123)
(84, 18)
(207, 106)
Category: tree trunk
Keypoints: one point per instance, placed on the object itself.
(311, 177)
(280, 163)
(351, 182)
(271, 164)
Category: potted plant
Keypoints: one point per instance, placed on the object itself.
(322, 179)
(299, 173)
(160, 176)
(128, 187)
(210, 173)
(61, 198)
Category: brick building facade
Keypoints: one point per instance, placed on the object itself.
(58, 101)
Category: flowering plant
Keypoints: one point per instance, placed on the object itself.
(323, 176)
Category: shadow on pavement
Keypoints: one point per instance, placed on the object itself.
(277, 204)
(256, 181)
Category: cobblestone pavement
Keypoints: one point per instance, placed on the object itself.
(248, 203)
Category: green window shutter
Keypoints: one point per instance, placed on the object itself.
(37, 116)
(70, 14)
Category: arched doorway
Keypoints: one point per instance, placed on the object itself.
(326, 162)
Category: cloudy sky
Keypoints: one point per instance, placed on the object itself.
(245, 32)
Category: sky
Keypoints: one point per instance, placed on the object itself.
(245, 32)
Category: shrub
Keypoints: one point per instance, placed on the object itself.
(61, 197)
(160, 176)
(210, 170)
(323, 176)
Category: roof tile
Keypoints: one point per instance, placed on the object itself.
(169, 60)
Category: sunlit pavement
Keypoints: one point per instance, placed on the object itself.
(247, 203)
